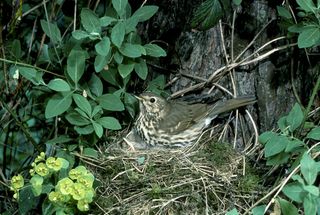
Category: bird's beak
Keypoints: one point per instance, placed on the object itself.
(139, 98)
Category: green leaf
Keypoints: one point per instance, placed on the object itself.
(84, 130)
(266, 136)
(51, 30)
(294, 191)
(27, 200)
(278, 159)
(130, 104)
(314, 133)
(109, 123)
(82, 103)
(111, 76)
(97, 109)
(275, 145)
(282, 124)
(141, 69)
(207, 15)
(293, 145)
(309, 37)
(132, 50)
(118, 57)
(131, 24)
(59, 85)
(146, 12)
(79, 34)
(310, 205)
(90, 152)
(120, 6)
(58, 104)
(97, 128)
(287, 208)
(106, 21)
(117, 33)
(103, 47)
(59, 139)
(307, 5)
(100, 62)
(75, 118)
(308, 169)
(259, 210)
(313, 190)
(31, 74)
(76, 64)
(295, 117)
(90, 21)
(16, 48)
(110, 102)
(125, 69)
(237, 2)
(95, 85)
(283, 12)
(155, 50)
(36, 182)
(232, 212)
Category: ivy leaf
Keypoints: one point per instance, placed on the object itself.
(266, 136)
(90, 152)
(310, 204)
(125, 69)
(84, 130)
(283, 12)
(110, 102)
(76, 64)
(58, 104)
(90, 21)
(295, 117)
(307, 5)
(59, 85)
(132, 50)
(146, 12)
(103, 47)
(111, 76)
(82, 103)
(155, 50)
(51, 30)
(109, 123)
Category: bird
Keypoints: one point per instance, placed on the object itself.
(166, 123)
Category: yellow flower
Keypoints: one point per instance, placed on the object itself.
(17, 182)
(41, 169)
(77, 172)
(87, 180)
(79, 191)
(54, 163)
(65, 186)
(82, 205)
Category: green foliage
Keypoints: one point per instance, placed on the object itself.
(209, 13)
(308, 26)
(71, 191)
(286, 147)
(68, 80)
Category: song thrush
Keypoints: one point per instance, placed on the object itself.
(163, 123)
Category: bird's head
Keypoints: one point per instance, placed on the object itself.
(151, 104)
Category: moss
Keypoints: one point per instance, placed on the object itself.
(250, 181)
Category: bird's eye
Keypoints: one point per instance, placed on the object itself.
(152, 100)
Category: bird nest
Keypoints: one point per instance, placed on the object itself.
(209, 179)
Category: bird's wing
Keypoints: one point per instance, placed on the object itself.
(181, 117)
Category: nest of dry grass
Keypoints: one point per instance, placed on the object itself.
(208, 179)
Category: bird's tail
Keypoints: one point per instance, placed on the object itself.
(231, 104)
